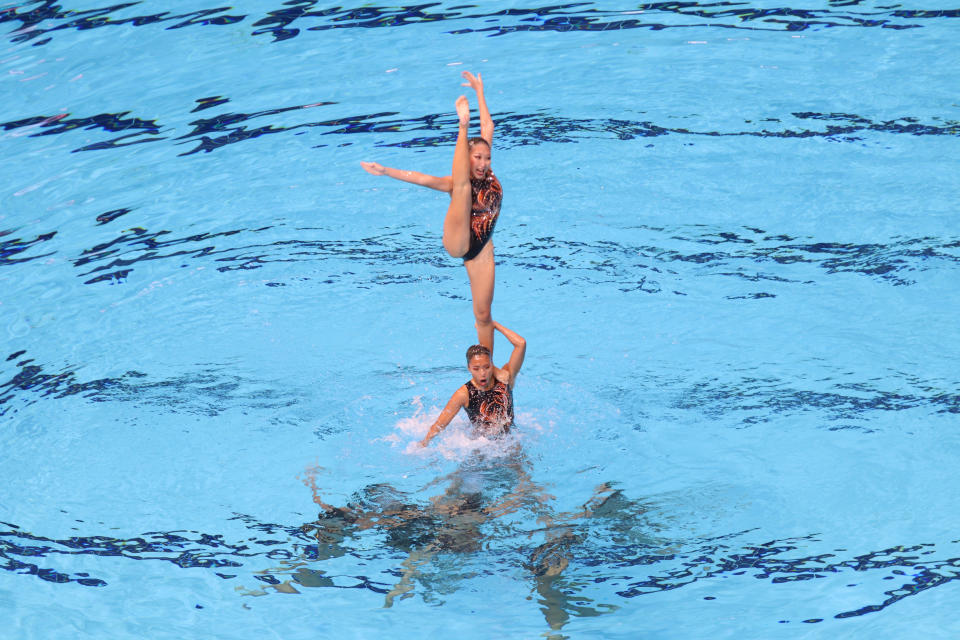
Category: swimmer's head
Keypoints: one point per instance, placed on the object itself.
(476, 350)
(480, 366)
(479, 158)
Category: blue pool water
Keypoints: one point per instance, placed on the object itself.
(729, 237)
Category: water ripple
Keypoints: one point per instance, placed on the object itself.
(36, 21)
(14, 246)
(774, 259)
(150, 246)
(513, 129)
(44, 18)
(753, 400)
(659, 262)
(904, 562)
(208, 392)
(607, 546)
(543, 127)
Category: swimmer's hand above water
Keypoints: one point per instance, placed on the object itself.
(374, 168)
(458, 400)
(440, 183)
(475, 82)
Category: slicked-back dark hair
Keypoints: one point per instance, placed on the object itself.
(476, 140)
(476, 350)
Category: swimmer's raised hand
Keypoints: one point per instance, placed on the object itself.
(475, 82)
(486, 122)
(463, 111)
(375, 168)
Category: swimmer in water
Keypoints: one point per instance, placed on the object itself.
(475, 197)
(488, 396)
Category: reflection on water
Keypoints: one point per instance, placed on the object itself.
(544, 126)
(489, 516)
(41, 19)
(207, 392)
(490, 508)
(10, 248)
(660, 260)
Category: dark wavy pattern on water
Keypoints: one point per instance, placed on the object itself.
(40, 20)
(208, 392)
(612, 545)
(834, 401)
(134, 246)
(749, 254)
(843, 403)
(513, 129)
(542, 127)
(772, 258)
(46, 17)
(11, 248)
(750, 400)
(580, 16)
(773, 261)
(154, 246)
(904, 563)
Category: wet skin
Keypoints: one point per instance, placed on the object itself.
(482, 371)
(479, 160)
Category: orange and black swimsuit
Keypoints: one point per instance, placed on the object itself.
(490, 412)
(487, 196)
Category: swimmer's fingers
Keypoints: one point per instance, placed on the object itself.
(374, 168)
(473, 81)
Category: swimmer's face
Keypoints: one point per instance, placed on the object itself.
(481, 369)
(479, 160)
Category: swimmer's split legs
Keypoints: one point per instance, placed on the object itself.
(481, 270)
(456, 226)
(456, 230)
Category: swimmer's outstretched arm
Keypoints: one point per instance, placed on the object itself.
(459, 400)
(512, 368)
(486, 122)
(440, 183)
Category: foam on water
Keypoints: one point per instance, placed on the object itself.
(457, 442)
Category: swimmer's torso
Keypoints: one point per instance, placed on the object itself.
(490, 412)
(487, 196)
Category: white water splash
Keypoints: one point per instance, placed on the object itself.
(457, 442)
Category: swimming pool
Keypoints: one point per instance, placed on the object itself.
(728, 236)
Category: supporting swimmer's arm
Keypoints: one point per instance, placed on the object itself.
(486, 122)
(440, 183)
(519, 350)
(459, 400)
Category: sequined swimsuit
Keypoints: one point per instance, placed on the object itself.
(485, 209)
(490, 412)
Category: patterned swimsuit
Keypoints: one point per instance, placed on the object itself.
(490, 412)
(487, 196)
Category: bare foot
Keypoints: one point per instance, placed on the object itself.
(463, 110)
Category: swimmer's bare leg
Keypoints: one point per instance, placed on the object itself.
(309, 480)
(481, 273)
(456, 226)
(410, 570)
